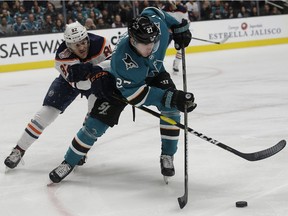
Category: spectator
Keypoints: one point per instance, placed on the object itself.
(78, 9)
(48, 24)
(275, 11)
(5, 28)
(4, 6)
(126, 10)
(50, 11)
(206, 11)
(158, 3)
(22, 13)
(265, 10)
(32, 25)
(57, 5)
(226, 10)
(136, 9)
(243, 12)
(143, 4)
(89, 24)
(217, 10)
(6, 14)
(193, 10)
(104, 13)
(117, 22)
(61, 17)
(70, 20)
(36, 8)
(38, 12)
(107, 17)
(92, 16)
(102, 25)
(80, 18)
(18, 27)
(16, 7)
(92, 8)
(254, 11)
(217, 14)
(59, 26)
(231, 13)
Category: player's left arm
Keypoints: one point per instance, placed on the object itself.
(80, 74)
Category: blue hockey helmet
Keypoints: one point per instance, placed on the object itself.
(143, 30)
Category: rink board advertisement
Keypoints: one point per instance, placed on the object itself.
(38, 51)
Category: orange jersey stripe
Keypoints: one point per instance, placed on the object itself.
(34, 129)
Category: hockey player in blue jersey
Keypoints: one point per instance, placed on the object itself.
(79, 47)
(137, 74)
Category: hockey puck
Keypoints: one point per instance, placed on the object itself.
(241, 204)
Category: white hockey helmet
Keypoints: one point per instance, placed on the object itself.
(74, 33)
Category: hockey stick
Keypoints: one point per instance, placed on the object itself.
(254, 156)
(214, 42)
(184, 199)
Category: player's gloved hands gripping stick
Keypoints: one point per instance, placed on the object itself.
(103, 85)
(179, 99)
(181, 34)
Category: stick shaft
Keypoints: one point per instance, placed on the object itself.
(184, 199)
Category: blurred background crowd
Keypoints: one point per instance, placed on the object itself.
(22, 17)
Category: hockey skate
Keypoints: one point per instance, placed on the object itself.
(82, 161)
(60, 172)
(14, 158)
(167, 167)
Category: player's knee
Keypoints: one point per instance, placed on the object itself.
(94, 128)
(46, 115)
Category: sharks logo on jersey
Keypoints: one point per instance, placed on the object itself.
(129, 62)
(157, 66)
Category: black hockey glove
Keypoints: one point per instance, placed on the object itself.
(103, 86)
(162, 80)
(178, 99)
(181, 34)
(81, 72)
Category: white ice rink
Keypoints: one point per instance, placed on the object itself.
(242, 98)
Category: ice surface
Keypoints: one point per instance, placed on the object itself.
(242, 98)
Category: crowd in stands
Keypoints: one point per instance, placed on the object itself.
(21, 17)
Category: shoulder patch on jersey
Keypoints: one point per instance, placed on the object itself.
(129, 62)
(65, 53)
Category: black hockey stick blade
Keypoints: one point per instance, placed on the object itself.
(182, 201)
(266, 153)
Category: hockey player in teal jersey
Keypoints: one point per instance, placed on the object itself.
(137, 74)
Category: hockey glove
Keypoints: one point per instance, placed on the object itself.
(81, 72)
(162, 80)
(181, 34)
(103, 86)
(178, 99)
